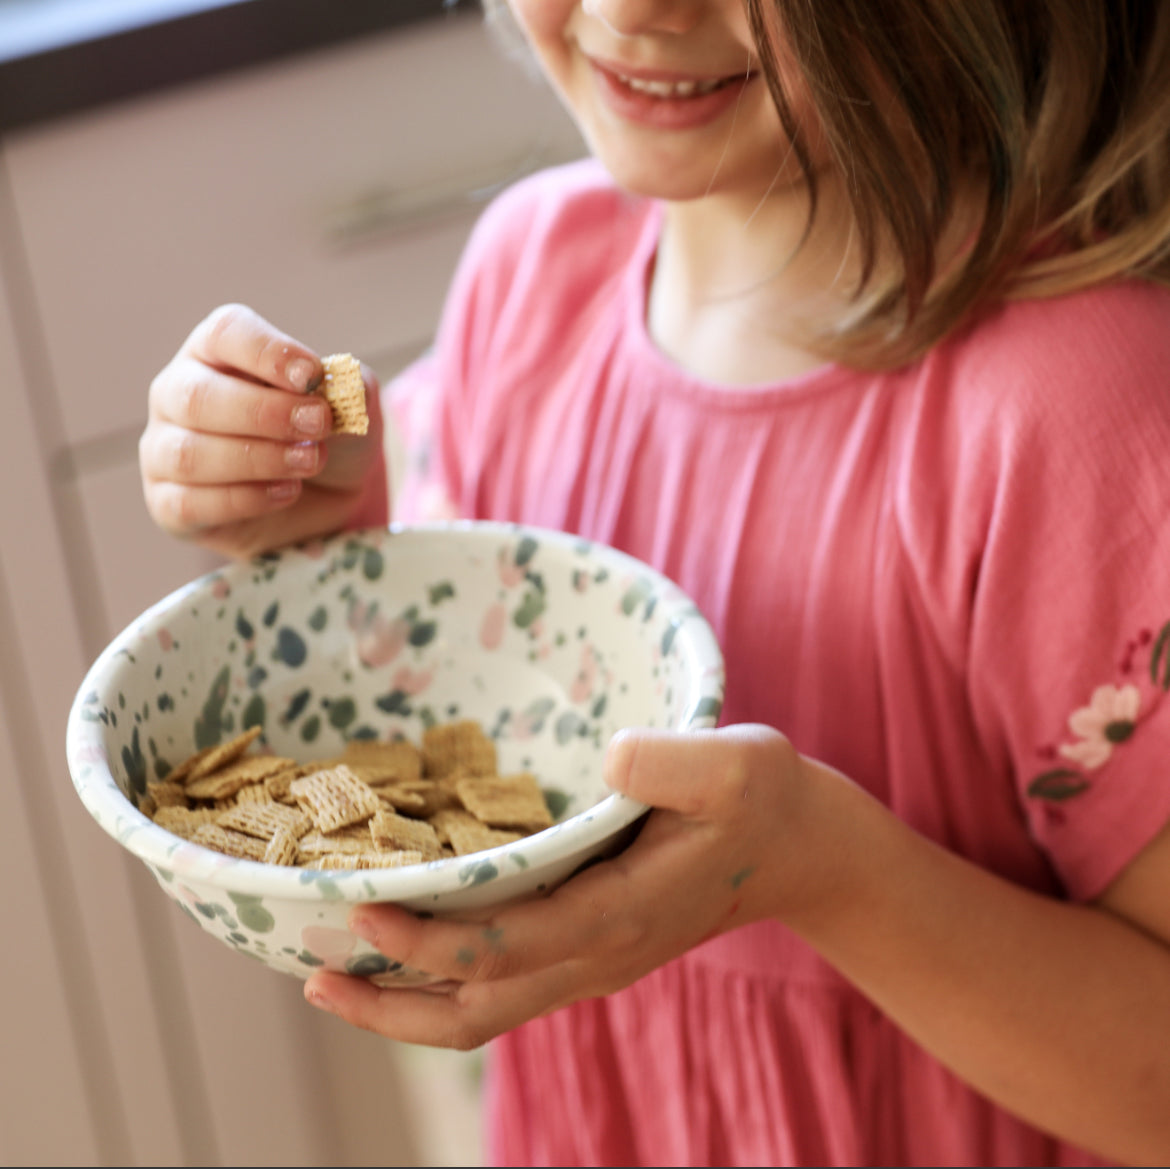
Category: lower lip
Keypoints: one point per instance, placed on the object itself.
(668, 113)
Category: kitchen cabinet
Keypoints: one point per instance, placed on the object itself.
(333, 190)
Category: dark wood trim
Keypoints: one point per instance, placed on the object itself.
(73, 77)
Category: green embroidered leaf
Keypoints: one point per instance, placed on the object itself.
(1160, 658)
(1059, 784)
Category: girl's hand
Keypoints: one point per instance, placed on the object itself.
(237, 454)
(709, 858)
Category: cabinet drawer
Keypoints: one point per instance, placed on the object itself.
(333, 193)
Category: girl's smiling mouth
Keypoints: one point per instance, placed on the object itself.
(664, 99)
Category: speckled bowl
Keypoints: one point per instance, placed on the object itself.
(551, 642)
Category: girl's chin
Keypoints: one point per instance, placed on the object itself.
(657, 175)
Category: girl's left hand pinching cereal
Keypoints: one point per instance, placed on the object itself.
(239, 454)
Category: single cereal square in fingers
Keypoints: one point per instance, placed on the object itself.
(506, 801)
(458, 746)
(392, 832)
(345, 391)
(335, 798)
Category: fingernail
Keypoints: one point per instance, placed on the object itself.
(284, 489)
(316, 999)
(301, 457)
(311, 418)
(362, 926)
(302, 374)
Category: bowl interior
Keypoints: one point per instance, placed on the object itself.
(550, 642)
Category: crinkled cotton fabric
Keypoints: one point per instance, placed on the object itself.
(947, 581)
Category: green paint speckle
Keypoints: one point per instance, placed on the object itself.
(252, 913)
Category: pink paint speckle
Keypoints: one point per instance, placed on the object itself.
(582, 686)
(491, 628)
(511, 574)
(412, 681)
(379, 639)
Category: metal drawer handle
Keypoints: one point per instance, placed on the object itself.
(384, 210)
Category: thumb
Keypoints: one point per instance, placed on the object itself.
(687, 771)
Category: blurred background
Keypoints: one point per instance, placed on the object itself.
(323, 161)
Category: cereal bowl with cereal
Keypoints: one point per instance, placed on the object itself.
(415, 714)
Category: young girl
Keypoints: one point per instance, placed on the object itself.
(857, 327)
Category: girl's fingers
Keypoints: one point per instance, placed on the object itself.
(519, 940)
(243, 520)
(183, 509)
(194, 397)
(235, 337)
(462, 1017)
(173, 454)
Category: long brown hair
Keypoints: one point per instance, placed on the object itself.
(1056, 113)
(1058, 109)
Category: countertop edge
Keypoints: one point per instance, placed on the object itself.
(78, 77)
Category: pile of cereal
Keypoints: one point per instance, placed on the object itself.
(377, 805)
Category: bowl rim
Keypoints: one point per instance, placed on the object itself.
(172, 856)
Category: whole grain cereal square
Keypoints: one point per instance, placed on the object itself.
(336, 860)
(353, 838)
(183, 821)
(167, 794)
(465, 834)
(253, 793)
(506, 801)
(403, 799)
(266, 820)
(213, 758)
(231, 843)
(277, 785)
(228, 778)
(282, 849)
(457, 746)
(393, 859)
(392, 832)
(384, 761)
(335, 798)
(345, 391)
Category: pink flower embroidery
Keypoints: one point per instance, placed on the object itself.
(1109, 719)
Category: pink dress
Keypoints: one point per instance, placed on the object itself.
(949, 582)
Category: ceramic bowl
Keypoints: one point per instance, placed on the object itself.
(551, 642)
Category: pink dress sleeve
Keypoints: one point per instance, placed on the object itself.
(1069, 641)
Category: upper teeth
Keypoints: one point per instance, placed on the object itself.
(670, 88)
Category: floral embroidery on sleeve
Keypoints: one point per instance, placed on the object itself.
(1110, 718)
